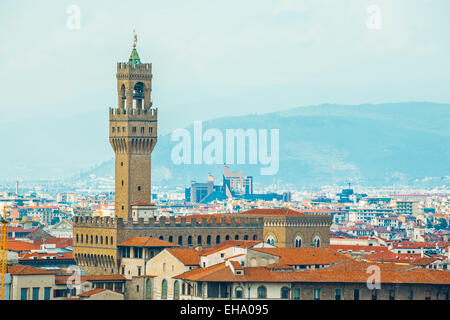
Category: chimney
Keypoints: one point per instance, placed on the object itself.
(17, 187)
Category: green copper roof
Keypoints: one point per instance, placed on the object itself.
(134, 58)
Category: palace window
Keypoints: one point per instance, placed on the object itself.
(142, 129)
(262, 292)
(337, 294)
(285, 293)
(316, 242)
(356, 294)
(391, 294)
(298, 242)
(149, 288)
(239, 293)
(176, 290)
(374, 294)
(24, 294)
(164, 289)
(296, 293)
(316, 294)
(134, 129)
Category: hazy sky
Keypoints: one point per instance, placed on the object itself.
(222, 58)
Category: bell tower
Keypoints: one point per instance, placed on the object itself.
(133, 134)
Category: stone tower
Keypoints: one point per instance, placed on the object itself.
(133, 134)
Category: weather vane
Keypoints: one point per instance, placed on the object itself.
(135, 38)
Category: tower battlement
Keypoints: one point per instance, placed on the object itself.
(123, 67)
(163, 222)
(96, 222)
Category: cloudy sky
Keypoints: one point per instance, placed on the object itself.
(218, 58)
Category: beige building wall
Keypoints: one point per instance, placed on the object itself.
(165, 266)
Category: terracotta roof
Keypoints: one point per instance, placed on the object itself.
(221, 273)
(59, 242)
(229, 244)
(147, 204)
(415, 259)
(187, 256)
(106, 277)
(91, 292)
(356, 248)
(304, 256)
(147, 242)
(27, 270)
(18, 246)
(273, 212)
(46, 256)
(236, 265)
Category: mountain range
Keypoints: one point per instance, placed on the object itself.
(370, 144)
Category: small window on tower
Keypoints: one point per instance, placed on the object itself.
(113, 129)
(123, 129)
(139, 188)
(142, 129)
(118, 129)
(122, 183)
(121, 164)
(150, 129)
(134, 129)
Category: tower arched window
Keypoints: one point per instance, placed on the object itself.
(180, 240)
(208, 240)
(227, 237)
(270, 240)
(199, 240)
(189, 240)
(218, 239)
